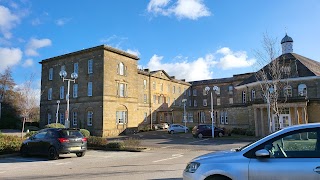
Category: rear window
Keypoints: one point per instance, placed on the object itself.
(71, 133)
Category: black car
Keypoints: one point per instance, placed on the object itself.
(55, 141)
(204, 130)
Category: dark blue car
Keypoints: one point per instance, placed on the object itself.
(205, 130)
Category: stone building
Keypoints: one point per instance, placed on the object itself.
(112, 96)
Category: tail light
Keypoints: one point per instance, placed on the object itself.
(63, 140)
(84, 139)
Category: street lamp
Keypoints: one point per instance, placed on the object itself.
(74, 76)
(57, 114)
(184, 114)
(214, 88)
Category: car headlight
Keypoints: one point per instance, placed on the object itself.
(192, 167)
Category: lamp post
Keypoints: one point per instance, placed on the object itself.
(74, 76)
(214, 88)
(57, 114)
(184, 114)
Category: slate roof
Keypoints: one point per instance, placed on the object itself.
(305, 67)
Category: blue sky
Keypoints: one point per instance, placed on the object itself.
(189, 39)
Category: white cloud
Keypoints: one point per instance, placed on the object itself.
(190, 9)
(191, 71)
(28, 63)
(9, 57)
(34, 44)
(230, 60)
(7, 21)
(134, 52)
(62, 21)
(202, 67)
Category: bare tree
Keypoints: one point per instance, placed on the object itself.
(27, 100)
(272, 77)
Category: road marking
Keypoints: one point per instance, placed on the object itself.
(166, 147)
(2, 172)
(198, 141)
(63, 163)
(174, 156)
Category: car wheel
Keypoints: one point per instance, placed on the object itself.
(24, 151)
(220, 134)
(171, 132)
(200, 135)
(80, 154)
(52, 153)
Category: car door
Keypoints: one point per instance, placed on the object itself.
(293, 156)
(35, 143)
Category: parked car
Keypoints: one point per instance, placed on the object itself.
(205, 130)
(176, 128)
(163, 125)
(290, 153)
(55, 141)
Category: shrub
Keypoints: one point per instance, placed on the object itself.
(85, 132)
(115, 145)
(54, 125)
(31, 133)
(94, 141)
(250, 132)
(131, 142)
(9, 144)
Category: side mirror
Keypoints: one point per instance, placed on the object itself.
(262, 153)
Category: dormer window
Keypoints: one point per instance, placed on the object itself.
(302, 90)
(287, 91)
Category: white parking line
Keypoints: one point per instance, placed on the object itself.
(63, 163)
(198, 141)
(174, 156)
(166, 147)
(1, 172)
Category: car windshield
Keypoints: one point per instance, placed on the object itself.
(71, 133)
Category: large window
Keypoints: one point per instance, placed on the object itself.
(144, 84)
(61, 92)
(230, 89)
(75, 118)
(50, 94)
(302, 90)
(122, 90)
(89, 88)
(122, 69)
(194, 92)
(195, 103)
(90, 66)
(75, 90)
(205, 102)
(253, 95)
(50, 74)
(121, 117)
(89, 118)
(218, 101)
(190, 117)
(154, 85)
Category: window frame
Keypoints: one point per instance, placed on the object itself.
(89, 118)
(90, 66)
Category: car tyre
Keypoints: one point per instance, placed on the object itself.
(80, 154)
(24, 151)
(220, 134)
(171, 132)
(52, 153)
(200, 135)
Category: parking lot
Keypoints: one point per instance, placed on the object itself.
(166, 157)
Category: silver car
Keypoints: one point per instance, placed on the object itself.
(288, 154)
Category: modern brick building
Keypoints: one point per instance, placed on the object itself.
(112, 96)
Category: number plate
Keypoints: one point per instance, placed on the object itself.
(75, 148)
